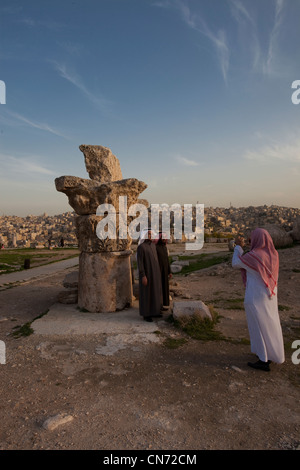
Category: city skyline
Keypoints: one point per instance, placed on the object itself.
(193, 97)
(218, 223)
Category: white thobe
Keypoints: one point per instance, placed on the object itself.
(262, 315)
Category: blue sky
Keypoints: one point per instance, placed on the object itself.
(192, 96)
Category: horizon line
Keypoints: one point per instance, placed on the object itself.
(205, 207)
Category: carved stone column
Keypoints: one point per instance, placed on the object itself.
(104, 283)
(105, 280)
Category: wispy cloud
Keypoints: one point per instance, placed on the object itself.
(72, 48)
(276, 152)
(76, 80)
(240, 12)
(28, 167)
(34, 23)
(186, 161)
(248, 30)
(263, 58)
(10, 10)
(218, 39)
(36, 125)
(279, 6)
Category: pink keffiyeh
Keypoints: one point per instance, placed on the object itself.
(263, 258)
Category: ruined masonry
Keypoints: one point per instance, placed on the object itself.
(104, 279)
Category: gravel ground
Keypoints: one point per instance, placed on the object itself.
(64, 392)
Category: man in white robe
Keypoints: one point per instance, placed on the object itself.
(259, 270)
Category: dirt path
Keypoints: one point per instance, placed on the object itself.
(200, 395)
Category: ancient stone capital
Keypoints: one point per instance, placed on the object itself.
(101, 164)
(86, 195)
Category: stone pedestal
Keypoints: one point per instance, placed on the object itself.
(104, 283)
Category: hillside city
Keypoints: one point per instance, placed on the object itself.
(44, 231)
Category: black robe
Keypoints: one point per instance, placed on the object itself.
(150, 296)
(165, 270)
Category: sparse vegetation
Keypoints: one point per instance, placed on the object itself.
(202, 261)
(282, 308)
(26, 330)
(230, 304)
(174, 343)
(199, 328)
(13, 260)
(203, 329)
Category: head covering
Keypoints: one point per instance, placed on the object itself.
(263, 258)
(161, 239)
(144, 235)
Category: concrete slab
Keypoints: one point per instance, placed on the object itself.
(118, 330)
(67, 319)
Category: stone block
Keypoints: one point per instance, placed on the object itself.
(68, 296)
(190, 308)
(58, 420)
(71, 280)
(175, 268)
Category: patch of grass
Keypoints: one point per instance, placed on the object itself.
(174, 343)
(230, 304)
(13, 260)
(202, 261)
(26, 330)
(200, 328)
(234, 304)
(203, 328)
(245, 341)
(281, 308)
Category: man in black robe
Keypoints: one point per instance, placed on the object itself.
(150, 291)
(165, 269)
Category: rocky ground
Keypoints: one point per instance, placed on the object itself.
(59, 392)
